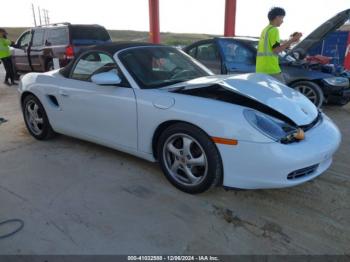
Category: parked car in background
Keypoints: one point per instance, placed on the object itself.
(205, 130)
(238, 55)
(36, 48)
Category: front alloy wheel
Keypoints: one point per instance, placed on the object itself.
(185, 159)
(189, 158)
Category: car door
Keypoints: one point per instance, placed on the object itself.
(237, 57)
(102, 113)
(36, 50)
(207, 53)
(20, 52)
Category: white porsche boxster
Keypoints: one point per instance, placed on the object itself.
(155, 102)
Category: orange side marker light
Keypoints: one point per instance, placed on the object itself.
(224, 141)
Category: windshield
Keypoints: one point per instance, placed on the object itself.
(158, 66)
(89, 35)
(253, 43)
(282, 54)
(235, 51)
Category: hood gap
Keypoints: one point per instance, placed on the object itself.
(217, 92)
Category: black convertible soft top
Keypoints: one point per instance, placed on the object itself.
(110, 48)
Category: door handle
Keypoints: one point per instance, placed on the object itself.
(63, 93)
(234, 70)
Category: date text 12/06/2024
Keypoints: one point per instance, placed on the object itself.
(173, 258)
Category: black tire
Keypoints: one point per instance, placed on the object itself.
(200, 148)
(311, 90)
(40, 127)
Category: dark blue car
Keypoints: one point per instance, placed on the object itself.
(238, 54)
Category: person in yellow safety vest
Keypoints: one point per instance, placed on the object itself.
(269, 45)
(5, 56)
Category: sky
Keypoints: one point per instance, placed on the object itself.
(180, 16)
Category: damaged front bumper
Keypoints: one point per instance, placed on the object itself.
(336, 95)
(276, 165)
(340, 97)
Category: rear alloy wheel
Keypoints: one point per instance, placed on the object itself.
(36, 119)
(189, 159)
(311, 90)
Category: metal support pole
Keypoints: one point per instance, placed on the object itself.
(39, 15)
(47, 14)
(44, 16)
(154, 35)
(34, 15)
(230, 17)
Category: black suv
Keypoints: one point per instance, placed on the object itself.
(39, 48)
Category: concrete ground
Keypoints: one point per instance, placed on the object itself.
(80, 198)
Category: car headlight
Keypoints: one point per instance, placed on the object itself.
(337, 81)
(273, 128)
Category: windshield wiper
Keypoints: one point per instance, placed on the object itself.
(174, 85)
(175, 88)
(178, 89)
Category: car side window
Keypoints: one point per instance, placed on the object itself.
(91, 64)
(38, 37)
(57, 36)
(207, 52)
(238, 54)
(24, 40)
(192, 52)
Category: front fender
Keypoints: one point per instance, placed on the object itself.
(216, 118)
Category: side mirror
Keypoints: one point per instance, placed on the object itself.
(106, 78)
(296, 55)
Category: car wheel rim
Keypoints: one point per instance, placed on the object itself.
(308, 92)
(185, 159)
(34, 117)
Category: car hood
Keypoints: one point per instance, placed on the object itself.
(320, 33)
(260, 88)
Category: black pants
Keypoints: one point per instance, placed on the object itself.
(8, 68)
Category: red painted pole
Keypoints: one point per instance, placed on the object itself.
(154, 35)
(230, 17)
(347, 55)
